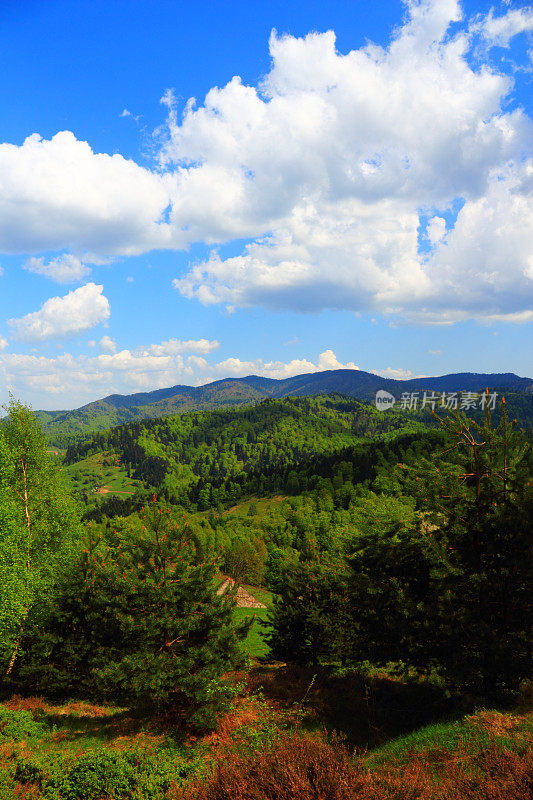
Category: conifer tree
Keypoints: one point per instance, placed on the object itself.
(453, 593)
(139, 621)
(308, 615)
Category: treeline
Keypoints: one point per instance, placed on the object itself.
(337, 473)
(409, 548)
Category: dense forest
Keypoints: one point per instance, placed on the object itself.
(63, 427)
(210, 457)
(390, 552)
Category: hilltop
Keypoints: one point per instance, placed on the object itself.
(62, 426)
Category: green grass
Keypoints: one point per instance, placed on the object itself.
(254, 643)
(467, 735)
(94, 471)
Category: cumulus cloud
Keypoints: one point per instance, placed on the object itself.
(414, 126)
(484, 266)
(280, 369)
(59, 194)
(498, 31)
(3, 343)
(83, 378)
(61, 317)
(65, 268)
(108, 345)
(326, 167)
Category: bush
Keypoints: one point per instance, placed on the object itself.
(297, 768)
(7, 785)
(19, 726)
(100, 773)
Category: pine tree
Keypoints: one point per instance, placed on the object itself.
(452, 594)
(306, 621)
(139, 621)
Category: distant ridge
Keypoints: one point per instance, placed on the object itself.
(116, 409)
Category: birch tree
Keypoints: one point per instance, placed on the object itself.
(37, 522)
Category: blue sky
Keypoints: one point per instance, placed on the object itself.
(359, 196)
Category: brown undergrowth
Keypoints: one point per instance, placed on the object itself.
(306, 767)
(273, 745)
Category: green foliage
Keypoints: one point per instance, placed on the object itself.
(244, 559)
(133, 774)
(138, 619)
(308, 611)
(218, 457)
(15, 596)
(451, 593)
(39, 524)
(20, 726)
(7, 785)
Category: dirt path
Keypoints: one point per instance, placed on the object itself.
(244, 598)
(107, 489)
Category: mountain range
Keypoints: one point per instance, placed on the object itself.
(116, 409)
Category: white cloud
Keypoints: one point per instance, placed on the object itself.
(413, 126)
(59, 194)
(397, 373)
(277, 369)
(498, 31)
(436, 229)
(484, 266)
(60, 317)
(174, 346)
(328, 360)
(3, 343)
(83, 378)
(108, 345)
(65, 268)
(327, 167)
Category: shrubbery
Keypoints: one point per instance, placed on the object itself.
(305, 767)
(102, 772)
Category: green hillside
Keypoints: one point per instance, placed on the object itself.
(206, 458)
(62, 427)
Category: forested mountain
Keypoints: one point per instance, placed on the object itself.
(206, 458)
(61, 426)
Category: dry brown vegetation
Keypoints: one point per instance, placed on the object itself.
(263, 748)
(308, 768)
